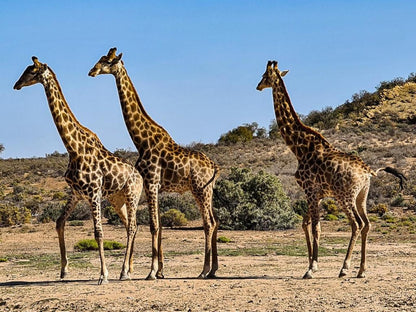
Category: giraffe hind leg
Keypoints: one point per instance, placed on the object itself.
(356, 224)
(362, 210)
(210, 222)
(60, 229)
(119, 201)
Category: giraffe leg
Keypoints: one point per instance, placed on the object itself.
(98, 234)
(204, 199)
(152, 196)
(313, 246)
(131, 234)
(214, 265)
(356, 224)
(362, 210)
(118, 201)
(159, 273)
(307, 228)
(60, 229)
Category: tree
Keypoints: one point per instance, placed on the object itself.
(1, 148)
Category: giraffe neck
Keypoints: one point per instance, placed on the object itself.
(140, 125)
(76, 138)
(300, 138)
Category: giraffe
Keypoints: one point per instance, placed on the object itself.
(323, 171)
(93, 172)
(164, 166)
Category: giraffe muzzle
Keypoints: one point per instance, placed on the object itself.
(92, 73)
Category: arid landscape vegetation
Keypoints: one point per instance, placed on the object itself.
(259, 270)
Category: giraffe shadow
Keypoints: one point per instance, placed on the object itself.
(218, 278)
(46, 283)
(231, 278)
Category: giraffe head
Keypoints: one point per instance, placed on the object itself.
(31, 75)
(107, 64)
(271, 76)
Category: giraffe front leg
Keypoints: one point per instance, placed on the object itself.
(98, 234)
(159, 273)
(152, 195)
(313, 214)
(306, 226)
(60, 229)
(311, 225)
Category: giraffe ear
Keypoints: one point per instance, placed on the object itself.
(36, 61)
(283, 73)
(112, 52)
(118, 58)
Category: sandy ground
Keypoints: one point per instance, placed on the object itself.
(29, 279)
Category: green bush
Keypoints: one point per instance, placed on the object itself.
(330, 217)
(398, 201)
(12, 215)
(239, 134)
(91, 244)
(244, 133)
(300, 207)
(172, 218)
(81, 212)
(142, 216)
(324, 119)
(59, 195)
(110, 213)
(76, 223)
(51, 212)
(330, 207)
(380, 209)
(86, 244)
(248, 201)
(223, 239)
(185, 203)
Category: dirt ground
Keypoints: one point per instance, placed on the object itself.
(256, 273)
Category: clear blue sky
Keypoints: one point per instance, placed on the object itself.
(195, 64)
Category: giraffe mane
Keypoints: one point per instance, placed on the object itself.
(93, 135)
(297, 119)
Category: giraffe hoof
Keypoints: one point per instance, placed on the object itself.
(211, 275)
(102, 280)
(150, 277)
(63, 275)
(160, 276)
(124, 276)
(202, 276)
(361, 275)
(307, 275)
(343, 273)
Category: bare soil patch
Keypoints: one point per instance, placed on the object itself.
(259, 271)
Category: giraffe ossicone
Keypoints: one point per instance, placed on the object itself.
(92, 174)
(323, 171)
(164, 166)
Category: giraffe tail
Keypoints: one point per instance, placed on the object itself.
(396, 173)
(216, 170)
